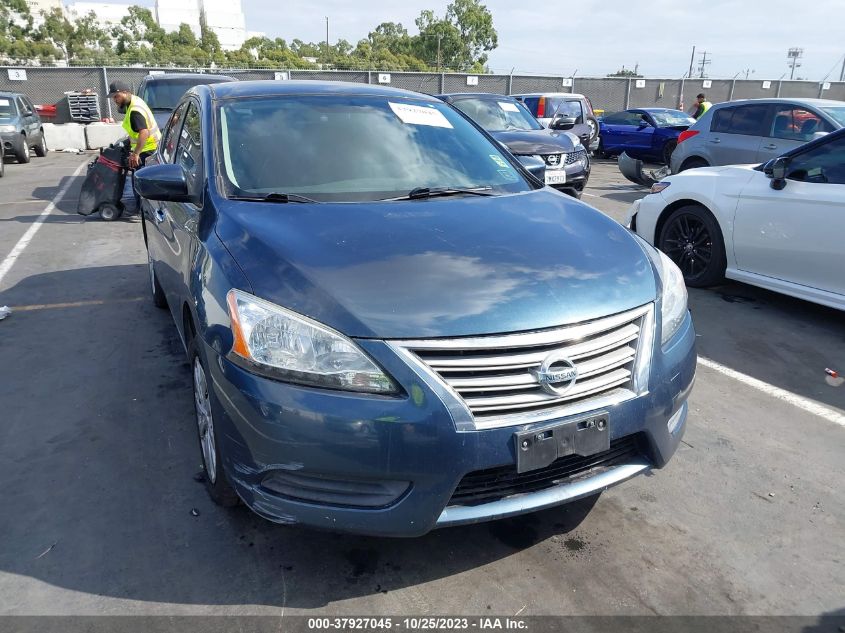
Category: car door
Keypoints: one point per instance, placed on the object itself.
(796, 233)
(736, 133)
(642, 137)
(26, 114)
(182, 218)
(791, 127)
(158, 232)
(33, 126)
(616, 129)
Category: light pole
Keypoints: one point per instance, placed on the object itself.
(793, 55)
(327, 38)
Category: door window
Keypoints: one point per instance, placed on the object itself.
(822, 164)
(746, 119)
(797, 124)
(189, 150)
(23, 108)
(623, 118)
(171, 133)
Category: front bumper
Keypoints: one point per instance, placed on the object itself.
(10, 140)
(266, 427)
(577, 176)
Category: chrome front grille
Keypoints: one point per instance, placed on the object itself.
(495, 377)
(577, 155)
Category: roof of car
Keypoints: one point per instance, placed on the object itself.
(5, 93)
(811, 102)
(244, 89)
(178, 76)
(474, 95)
(573, 95)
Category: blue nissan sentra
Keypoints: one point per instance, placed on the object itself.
(392, 325)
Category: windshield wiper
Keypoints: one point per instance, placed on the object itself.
(437, 192)
(281, 198)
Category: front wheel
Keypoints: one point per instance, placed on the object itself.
(219, 489)
(667, 151)
(22, 150)
(692, 239)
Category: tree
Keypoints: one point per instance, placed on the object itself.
(19, 43)
(625, 72)
(475, 24)
(463, 37)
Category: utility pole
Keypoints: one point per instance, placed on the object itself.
(792, 56)
(636, 67)
(702, 65)
(327, 37)
(691, 62)
(842, 74)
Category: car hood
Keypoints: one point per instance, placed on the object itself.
(536, 141)
(439, 267)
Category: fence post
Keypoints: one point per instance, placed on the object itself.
(369, 76)
(681, 95)
(777, 94)
(821, 89)
(442, 83)
(510, 84)
(627, 94)
(731, 93)
(106, 84)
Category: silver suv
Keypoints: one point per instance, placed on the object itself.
(546, 106)
(754, 131)
(20, 127)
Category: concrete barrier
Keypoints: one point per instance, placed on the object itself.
(99, 135)
(65, 136)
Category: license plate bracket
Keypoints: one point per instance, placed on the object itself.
(540, 447)
(556, 179)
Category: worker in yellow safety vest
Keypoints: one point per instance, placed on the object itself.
(702, 105)
(139, 123)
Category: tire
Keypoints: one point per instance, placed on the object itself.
(667, 151)
(110, 212)
(41, 148)
(22, 150)
(692, 239)
(159, 298)
(594, 128)
(216, 484)
(694, 163)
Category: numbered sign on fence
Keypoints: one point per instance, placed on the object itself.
(767, 85)
(17, 74)
(567, 82)
(706, 84)
(640, 83)
(472, 80)
(384, 78)
(281, 76)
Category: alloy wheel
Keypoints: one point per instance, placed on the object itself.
(688, 243)
(205, 421)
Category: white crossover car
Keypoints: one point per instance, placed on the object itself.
(780, 225)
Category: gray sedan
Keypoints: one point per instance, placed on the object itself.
(754, 131)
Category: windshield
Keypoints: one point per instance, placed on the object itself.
(354, 148)
(165, 94)
(837, 113)
(498, 116)
(671, 118)
(7, 108)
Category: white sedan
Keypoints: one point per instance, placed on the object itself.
(780, 226)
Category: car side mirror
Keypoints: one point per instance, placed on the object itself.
(562, 123)
(165, 182)
(778, 172)
(644, 123)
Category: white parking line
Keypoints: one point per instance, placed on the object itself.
(810, 406)
(12, 257)
(592, 195)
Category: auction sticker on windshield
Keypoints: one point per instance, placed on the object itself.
(4, 102)
(419, 115)
(508, 107)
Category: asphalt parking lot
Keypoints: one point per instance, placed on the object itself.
(98, 454)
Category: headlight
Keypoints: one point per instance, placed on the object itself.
(7, 128)
(291, 347)
(673, 308)
(659, 186)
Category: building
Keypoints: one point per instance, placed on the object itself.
(37, 7)
(171, 14)
(108, 14)
(226, 18)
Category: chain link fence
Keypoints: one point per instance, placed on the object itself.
(610, 94)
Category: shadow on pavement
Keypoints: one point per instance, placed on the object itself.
(98, 451)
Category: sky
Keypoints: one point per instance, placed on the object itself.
(590, 37)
